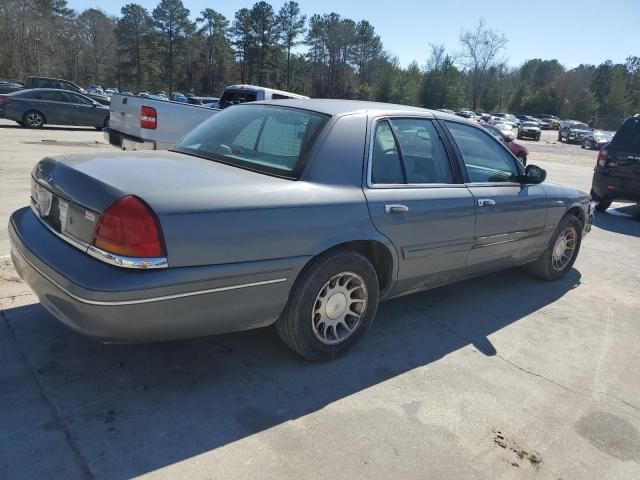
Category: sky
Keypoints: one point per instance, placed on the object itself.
(574, 32)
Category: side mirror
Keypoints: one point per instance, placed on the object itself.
(534, 174)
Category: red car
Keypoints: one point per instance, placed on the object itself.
(517, 149)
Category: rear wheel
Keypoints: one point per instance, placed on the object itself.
(562, 251)
(331, 306)
(601, 203)
(33, 119)
(559, 137)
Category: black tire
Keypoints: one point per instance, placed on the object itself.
(538, 138)
(559, 137)
(295, 325)
(583, 144)
(33, 119)
(543, 267)
(601, 203)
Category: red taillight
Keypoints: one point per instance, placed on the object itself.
(148, 118)
(129, 228)
(603, 156)
(5, 100)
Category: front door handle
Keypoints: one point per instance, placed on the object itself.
(396, 208)
(486, 202)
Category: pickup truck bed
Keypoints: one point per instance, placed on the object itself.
(141, 123)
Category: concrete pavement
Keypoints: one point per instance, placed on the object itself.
(503, 376)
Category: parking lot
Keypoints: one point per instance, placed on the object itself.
(503, 376)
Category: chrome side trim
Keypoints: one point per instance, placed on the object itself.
(127, 262)
(116, 303)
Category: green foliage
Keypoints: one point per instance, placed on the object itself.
(325, 55)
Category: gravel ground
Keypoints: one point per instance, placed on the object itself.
(500, 377)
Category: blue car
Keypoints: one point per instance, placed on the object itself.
(36, 107)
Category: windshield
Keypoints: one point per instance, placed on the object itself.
(529, 124)
(265, 138)
(580, 126)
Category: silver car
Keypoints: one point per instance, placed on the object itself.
(302, 213)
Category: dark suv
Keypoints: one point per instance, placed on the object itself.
(617, 172)
(572, 132)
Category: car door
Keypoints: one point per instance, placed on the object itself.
(416, 198)
(510, 216)
(55, 107)
(84, 112)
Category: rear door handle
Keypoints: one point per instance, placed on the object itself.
(396, 208)
(486, 202)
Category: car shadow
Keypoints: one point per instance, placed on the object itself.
(150, 406)
(52, 128)
(623, 220)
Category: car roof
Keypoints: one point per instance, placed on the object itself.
(335, 107)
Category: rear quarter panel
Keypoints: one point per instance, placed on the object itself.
(293, 218)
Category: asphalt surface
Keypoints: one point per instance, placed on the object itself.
(499, 377)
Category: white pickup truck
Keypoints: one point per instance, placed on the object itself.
(144, 123)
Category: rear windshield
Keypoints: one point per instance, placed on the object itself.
(265, 138)
(628, 135)
(232, 97)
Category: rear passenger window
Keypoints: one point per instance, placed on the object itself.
(424, 157)
(386, 166)
(409, 150)
(485, 158)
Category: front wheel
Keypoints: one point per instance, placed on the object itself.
(331, 306)
(562, 251)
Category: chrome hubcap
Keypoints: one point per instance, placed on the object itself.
(564, 248)
(339, 307)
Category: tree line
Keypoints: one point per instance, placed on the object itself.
(324, 55)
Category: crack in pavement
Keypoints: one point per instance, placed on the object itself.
(578, 390)
(55, 414)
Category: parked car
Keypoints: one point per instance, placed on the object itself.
(57, 83)
(36, 107)
(550, 119)
(195, 100)
(511, 118)
(234, 94)
(617, 172)
(10, 87)
(139, 124)
(596, 139)
(274, 212)
(572, 132)
(505, 128)
(518, 150)
(529, 130)
(468, 114)
(542, 124)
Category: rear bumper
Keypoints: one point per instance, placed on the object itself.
(127, 142)
(616, 188)
(112, 304)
